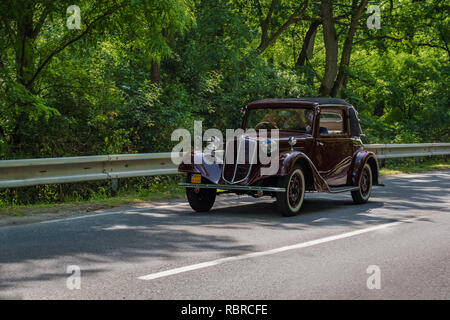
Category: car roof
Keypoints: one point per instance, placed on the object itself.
(311, 102)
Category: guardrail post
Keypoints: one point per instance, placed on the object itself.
(417, 160)
(61, 194)
(114, 186)
(382, 163)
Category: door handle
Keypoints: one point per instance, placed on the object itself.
(319, 143)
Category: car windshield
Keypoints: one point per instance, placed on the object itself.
(291, 119)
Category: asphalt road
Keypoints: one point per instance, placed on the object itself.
(243, 249)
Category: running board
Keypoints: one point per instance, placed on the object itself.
(231, 187)
(342, 189)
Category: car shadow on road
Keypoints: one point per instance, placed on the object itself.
(61, 277)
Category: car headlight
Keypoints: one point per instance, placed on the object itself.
(268, 146)
(214, 143)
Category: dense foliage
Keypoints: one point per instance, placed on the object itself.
(138, 69)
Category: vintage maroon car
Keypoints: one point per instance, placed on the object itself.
(318, 146)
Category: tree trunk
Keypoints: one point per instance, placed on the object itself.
(25, 58)
(331, 48)
(379, 109)
(267, 40)
(308, 44)
(347, 48)
(265, 26)
(24, 46)
(155, 72)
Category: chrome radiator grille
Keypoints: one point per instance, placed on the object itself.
(244, 150)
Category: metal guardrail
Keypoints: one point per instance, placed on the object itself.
(388, 151)
(20, 173)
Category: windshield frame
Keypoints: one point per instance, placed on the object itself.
(282, 106)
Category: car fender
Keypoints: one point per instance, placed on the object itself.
(360, 159)
(289, 159)
(196, 163)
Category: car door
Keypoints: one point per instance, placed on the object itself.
(333, 146)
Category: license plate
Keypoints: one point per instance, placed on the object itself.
(196, 178)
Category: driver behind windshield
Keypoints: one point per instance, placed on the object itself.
(291, 119)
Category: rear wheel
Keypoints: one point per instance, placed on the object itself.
(365, 186)
(290, 202)
(201, 200)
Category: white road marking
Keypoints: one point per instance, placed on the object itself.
(79, 217)
(106, 214)
(136, 210)
(216, 262)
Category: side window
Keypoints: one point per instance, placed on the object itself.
(332, 122)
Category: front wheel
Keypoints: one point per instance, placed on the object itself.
(365, 186)
(290, 202)
(201, 200)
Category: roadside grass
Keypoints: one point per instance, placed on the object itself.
(96, 203)
(101, 198)
(400, 166)
(154, 189)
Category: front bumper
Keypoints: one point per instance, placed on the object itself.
(231, 187)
